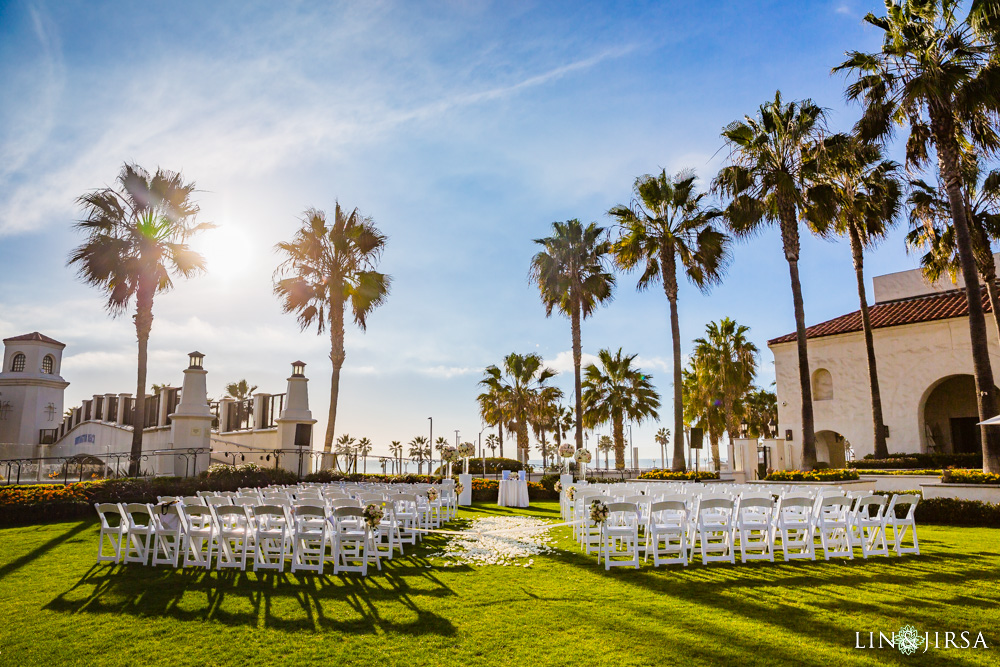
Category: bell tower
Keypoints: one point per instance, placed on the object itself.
(31, 389)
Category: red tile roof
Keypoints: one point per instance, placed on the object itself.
(34, 336)
(893, 314)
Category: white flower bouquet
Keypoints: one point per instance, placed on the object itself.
(432, 494)
(466, 449)
(598, 511)
(571, 493)
(566, 451)
(449, 454)
(459, 488)
(582, 456)
(558, 486)
(372, 514)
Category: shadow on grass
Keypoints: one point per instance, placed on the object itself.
(43, 549)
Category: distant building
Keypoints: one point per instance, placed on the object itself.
(31, 389)
(921, 334)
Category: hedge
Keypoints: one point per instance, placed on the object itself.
(487, 490)
(334, 475)
(493, 465)
(926, 461)
(901, 472)
(834, 475)
(956, 476)
(679, 475)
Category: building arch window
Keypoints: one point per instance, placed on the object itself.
(18, 362)
(48, 364)
(822, 385)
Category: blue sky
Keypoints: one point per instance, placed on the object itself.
(463, 128)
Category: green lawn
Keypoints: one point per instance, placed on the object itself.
(56, 605)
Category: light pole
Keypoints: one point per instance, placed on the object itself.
(456, 438)
(430, 443)
(631, 449)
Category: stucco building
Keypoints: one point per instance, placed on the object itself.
(921, 334)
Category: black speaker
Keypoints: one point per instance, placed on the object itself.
(303, 435)
(697, 436)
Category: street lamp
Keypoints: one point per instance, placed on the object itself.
(773, 428)
(430, 443)
(195, 360)
(744, 428)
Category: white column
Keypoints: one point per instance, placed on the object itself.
(296, 418)
(191, 423)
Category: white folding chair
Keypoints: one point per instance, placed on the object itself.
(272, 537)
(794, 524)
(353, 546)
(833, 519)
(387, 535)
(235, 536)
(139, 533)
(620, 536)
(754, 517)
(168, 534)
(407, 518)
(666, 533)
(868, 526)
(715, 530)
(199, 535)
(900, 525)
(310, 537)
(114, 531)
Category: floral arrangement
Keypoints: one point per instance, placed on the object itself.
(598, 511)
(449, 454)
(566, 451)
(582, 456)
(830, 475)
(459, 488)
(558, 486)
(372, 514)
(432, 494)
(571, 493)
(959, 476)
(679, 475)
(466, 449)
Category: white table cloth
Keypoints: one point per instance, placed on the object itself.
(513, 493)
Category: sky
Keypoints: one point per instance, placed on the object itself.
(464, 129)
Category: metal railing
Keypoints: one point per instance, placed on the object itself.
(92, 467)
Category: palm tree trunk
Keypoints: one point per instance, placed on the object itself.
(994, 297)
(985, 264)
(337, 356)
(943, 128)
(577, 362)
(713, 439)
(857, 251)
(790, 240)
(143, 325)
(500, 435)
(669, 267)
(619, 428)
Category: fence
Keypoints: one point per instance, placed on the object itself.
(86, 467)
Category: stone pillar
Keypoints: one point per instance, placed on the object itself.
(191, 423)
(745, 458)
(778, 454)
(123, 400)
(108, 415)
(224, 413)
(258, 410)
(295, 425)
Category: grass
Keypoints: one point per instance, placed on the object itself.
(56, 605)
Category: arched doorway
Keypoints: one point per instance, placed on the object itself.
(950, 416)
(831, 448)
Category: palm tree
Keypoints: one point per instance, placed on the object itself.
(662, 438)
(328, 268)
(931, 228)
(615, 392)
(727, 359)
(364, 448)
(571, 276)
(605, 445)
(523, 377)
(396, 448)
(937, 73)
(493, 410)
(702, 408)
(492, 441)
(418, 451)
(668, 224)
(241, 390)
(136, 244)
(857, 194)
(760, 410)
(765, 184)
(345, 448)
(544, 417)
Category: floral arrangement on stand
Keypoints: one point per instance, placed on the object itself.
(582, 458)
(466, 450)
(449, 455)
(432, 494)
(566, 451)
(599, 511)
(571, 493)
(372, 514)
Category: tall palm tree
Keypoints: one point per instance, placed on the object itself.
(931, 228)
(668, 226)
(702, 408)
(328, 268)
(364, 448)
(857, 194)
(662, 438)
(544, 418)
(418, 450)
(765, 184)
(571, 275)
(396, 448)
(760, 409)
(728, 360)
(521, 379)
(615, 392)
(937, 73)
(136, 245)
(605, 445)
(241, 390)
(492, 441)
(345, 448)
(494, 410)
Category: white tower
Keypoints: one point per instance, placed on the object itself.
(31, 389)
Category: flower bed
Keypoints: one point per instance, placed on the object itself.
(957, 476)
(900, 472)
(925, 461)
(832, 475)
(675, 475)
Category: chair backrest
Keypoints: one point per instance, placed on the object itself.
(218, 501)
(111, 511)
(193, 500)
(344, 502)
(138, 514)
(668, 506)
(716, 503)
(903, 500)
(756, 503)
(268, 511)
(623, 507)
(309, 511)
(342, 512)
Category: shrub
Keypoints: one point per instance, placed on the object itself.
(679, 475)
(954, 512)
(900, 472)
(955, 476)
(334, 475)
(487, 489)
(835, 475)
(918, 460)
(493, 466)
